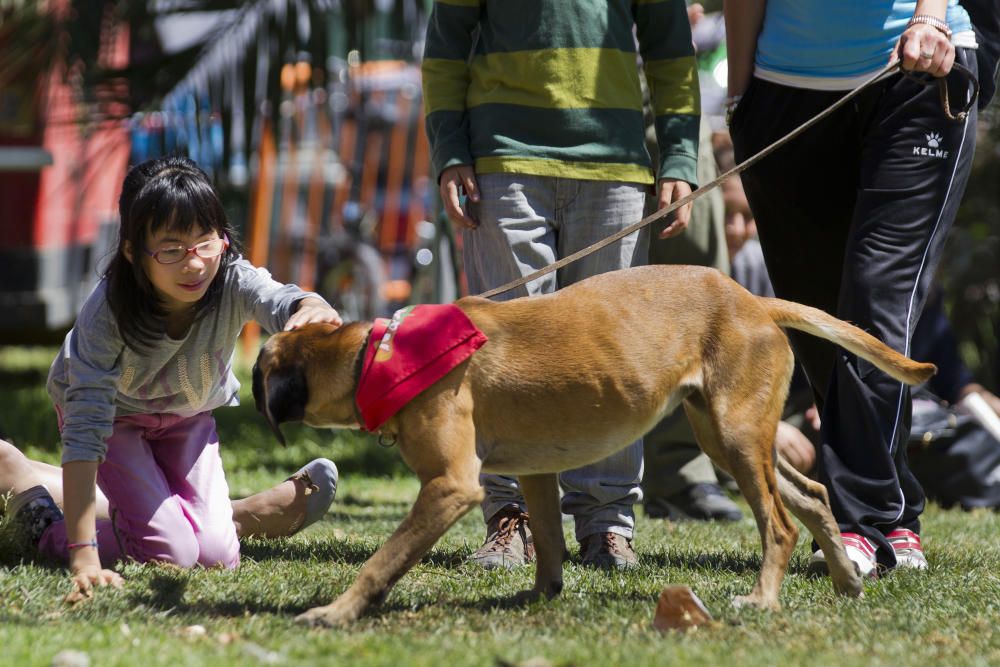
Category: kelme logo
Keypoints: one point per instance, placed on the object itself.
(933, 148)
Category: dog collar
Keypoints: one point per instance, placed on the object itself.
(359, 364)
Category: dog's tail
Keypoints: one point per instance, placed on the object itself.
(818, 323)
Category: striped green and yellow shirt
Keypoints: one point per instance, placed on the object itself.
(551, 87)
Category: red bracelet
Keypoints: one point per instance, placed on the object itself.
(77, 545)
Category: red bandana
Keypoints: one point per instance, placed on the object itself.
(409, 353)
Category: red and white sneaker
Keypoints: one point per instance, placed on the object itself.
(909, 553)
(859, 549)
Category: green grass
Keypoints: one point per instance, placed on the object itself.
(447, 613)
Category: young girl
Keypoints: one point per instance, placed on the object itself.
(136, 380)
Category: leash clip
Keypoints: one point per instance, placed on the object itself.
(387, 441)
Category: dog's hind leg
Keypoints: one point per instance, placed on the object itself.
(808, 501)
(541, 492)
(443, 457)
(741, 441)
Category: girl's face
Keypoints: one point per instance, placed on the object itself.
(192, 262)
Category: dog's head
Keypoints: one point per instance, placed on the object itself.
(306, 375)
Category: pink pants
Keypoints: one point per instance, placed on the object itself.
(168, 496)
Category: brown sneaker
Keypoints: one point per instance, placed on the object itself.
(508, 541)
(607, 551)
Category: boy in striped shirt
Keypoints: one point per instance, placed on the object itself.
(535, 112)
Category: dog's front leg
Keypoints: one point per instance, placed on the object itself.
(441, 502)
(541, 493)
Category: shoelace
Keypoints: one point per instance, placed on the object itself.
(610, 544)
(507, 527)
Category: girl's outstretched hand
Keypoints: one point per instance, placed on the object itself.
(86, 578)
(310, 311)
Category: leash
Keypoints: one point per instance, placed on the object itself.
(749, 162)
(942, 84)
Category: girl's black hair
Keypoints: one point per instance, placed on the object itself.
(172, 193)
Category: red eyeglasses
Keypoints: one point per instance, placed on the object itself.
(205, 250)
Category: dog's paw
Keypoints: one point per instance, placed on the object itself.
(530, 596)
(755, 601)
(331, 616)
(852, 587)
(545, 592)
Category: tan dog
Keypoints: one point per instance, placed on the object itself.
(567, 379)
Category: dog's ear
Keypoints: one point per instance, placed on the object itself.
(259, 400)
(281, 395)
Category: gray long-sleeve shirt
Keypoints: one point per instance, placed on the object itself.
(96, 377)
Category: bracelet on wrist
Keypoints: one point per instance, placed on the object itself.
(77, 545)
(932, 21)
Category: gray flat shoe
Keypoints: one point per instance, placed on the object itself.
(320, 477)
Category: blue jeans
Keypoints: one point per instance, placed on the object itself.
(526, 223)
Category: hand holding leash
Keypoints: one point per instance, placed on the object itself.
(925, 46)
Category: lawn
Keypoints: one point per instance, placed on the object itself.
(448, 613)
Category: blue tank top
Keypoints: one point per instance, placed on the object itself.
(835, 45)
